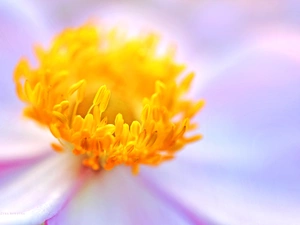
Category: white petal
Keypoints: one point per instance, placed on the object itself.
(118, 197)
(39, 190)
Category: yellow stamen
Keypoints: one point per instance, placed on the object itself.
(113, 99)
(57, 147)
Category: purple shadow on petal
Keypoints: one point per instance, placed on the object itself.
(5, 164)
(10, 169)
(83, 176)
(170, 200)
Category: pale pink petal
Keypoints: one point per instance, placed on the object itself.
(256, 98)
(40, 190)
(146, 16)
(245, 170)
(22, 138)
(19, 139)
(11, 169)
(20, 28)
(118, 197)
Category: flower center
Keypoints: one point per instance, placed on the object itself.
(109, 98)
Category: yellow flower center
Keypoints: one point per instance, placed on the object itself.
(109, 98)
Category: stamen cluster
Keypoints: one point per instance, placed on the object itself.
(109, 98)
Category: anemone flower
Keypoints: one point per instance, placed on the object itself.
(242, 172)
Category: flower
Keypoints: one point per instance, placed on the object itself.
(245, 173)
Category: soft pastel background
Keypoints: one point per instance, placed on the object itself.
(247, 58)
